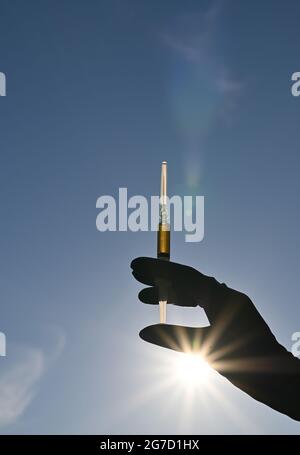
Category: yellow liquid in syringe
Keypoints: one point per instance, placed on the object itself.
(163, 241)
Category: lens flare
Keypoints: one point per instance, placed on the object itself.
(191, 370)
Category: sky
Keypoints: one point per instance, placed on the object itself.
(98, 94)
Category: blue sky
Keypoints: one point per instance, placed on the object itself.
(98, 94)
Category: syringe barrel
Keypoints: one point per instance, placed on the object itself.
(163, 241)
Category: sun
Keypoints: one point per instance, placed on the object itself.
(191, 370)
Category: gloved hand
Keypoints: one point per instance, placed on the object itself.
(238, 343)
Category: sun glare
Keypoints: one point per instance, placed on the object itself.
(191, 370)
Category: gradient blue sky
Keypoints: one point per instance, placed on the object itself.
(98, 94)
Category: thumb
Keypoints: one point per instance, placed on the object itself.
(177, 337)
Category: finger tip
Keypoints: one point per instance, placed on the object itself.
(147, 296)
(149, 333)
(138, 261)
(133, 262)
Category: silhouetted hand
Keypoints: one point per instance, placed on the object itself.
(238, 343)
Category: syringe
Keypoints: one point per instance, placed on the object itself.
(163, 239)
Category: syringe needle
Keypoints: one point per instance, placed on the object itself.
(163, 238)
(162, 311)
